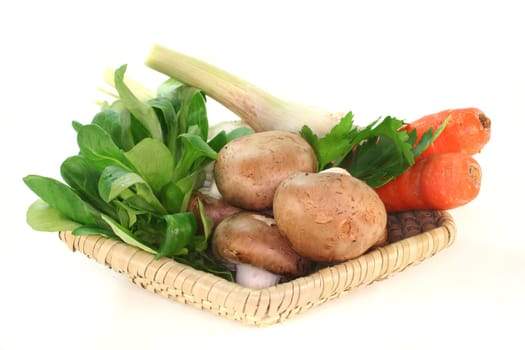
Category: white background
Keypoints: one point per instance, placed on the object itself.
(376, 58)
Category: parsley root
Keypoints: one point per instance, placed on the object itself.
(435, 182)
(467, 130)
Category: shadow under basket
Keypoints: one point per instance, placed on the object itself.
(413, 237)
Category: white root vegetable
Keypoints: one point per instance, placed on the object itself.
(259, 109)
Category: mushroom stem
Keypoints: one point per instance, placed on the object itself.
(254, 277)
(336, 170)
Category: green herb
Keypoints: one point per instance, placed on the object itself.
(137, 166)
(375, 154)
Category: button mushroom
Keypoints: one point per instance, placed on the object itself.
(262, 255)
(249, 168)
(329, 216)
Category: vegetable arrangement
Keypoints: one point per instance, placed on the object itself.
(298, 187)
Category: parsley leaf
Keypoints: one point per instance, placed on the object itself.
(375, 154)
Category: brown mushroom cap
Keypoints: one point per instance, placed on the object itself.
(254, 239)
(249, 169)
(216, 209)
(329, 217)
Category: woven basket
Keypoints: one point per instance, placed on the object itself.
(414, 237)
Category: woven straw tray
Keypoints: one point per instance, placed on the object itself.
(414, 237)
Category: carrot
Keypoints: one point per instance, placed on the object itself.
(467, 130)
(435, 182)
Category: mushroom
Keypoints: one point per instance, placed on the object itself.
(249, 169)
(261, 254)
(209, 186)
(329, 216)
(215, 208)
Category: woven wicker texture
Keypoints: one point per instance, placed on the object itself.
(417, 236)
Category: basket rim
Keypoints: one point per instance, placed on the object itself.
(269, 305)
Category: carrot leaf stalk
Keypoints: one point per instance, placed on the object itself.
(259, 109)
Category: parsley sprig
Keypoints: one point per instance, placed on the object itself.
(376, 154)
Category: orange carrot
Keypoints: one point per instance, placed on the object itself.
(435, 182)
(467, 130)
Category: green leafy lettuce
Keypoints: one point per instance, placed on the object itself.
(132, 178)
